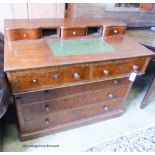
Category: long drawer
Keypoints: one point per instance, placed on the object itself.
(43, 78)
(52, 77)
(69, 102)
(72, 115)
(53, 94)
(108, 70)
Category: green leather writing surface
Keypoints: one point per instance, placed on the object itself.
(79, 46)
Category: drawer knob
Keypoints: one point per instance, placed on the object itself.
(115, 31)
(56, 77)
(76, 76)
(74, 32)
(47, 108)
(111, 95)
(106, 108)
(105, 72)
(135, 68)
(34, 81)
(24, 35)
(116, 82)
(47, 121)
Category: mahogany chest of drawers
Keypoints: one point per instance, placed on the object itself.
(58, 92)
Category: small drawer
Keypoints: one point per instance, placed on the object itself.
(72, 101)
(22, 34)
(73, 32)
(51, 77)
(114, 30)
(118, 68)
(67, 116)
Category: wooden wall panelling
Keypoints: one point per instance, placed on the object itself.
(46, 10)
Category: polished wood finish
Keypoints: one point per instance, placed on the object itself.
(11, 24)
(55, 93)
(60, 92)
(114, 30)
(50, 77)
(21, 34)
(73, 32)
(66, 103)
(53, 77)
(117, 68)
(81, 102)
(44, 57)
(72, 115)
(32, 29)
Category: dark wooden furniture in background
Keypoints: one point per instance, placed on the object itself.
(146, 37)
(143, 16)
(55, 93)
(148, 94)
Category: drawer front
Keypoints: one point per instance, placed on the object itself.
(71, 102)
(67, 116)
(44, 78)
(118, 68)
(73, 32)
(114, 30)
(72, 90)
(23, 34)
(54, 77)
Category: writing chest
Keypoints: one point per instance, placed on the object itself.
(66, 74)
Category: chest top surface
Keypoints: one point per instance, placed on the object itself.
(41, 53)
(44, 52)
(56, 22)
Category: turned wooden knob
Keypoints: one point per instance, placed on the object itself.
(76, 76)
(116, 82)
(106, 108)
(135, 68)
(56, 77)
(34, 80)
(105, 72)
(24, 35)
(74, 32)
(47, 121)
(115, 31)
(111, 95)
(47, 108)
